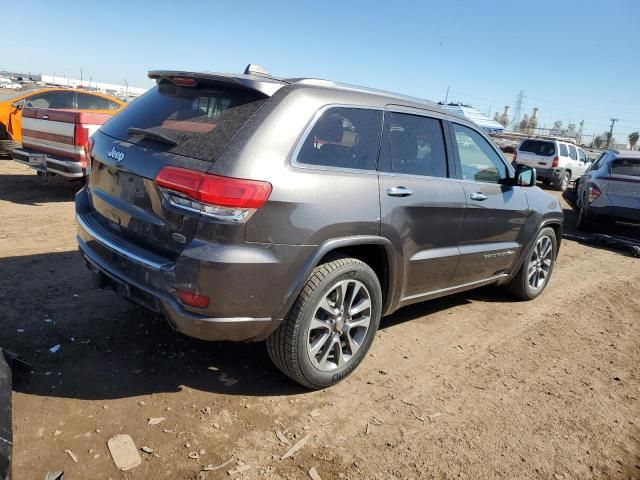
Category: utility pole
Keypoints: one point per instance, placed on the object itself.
(610, 139)
(446, 97)
(518, 109)
(579, 139)
(80, 76)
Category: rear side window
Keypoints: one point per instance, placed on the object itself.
(91, 102)
(564, 151)
(200, 120)
(582, 156)
(344, 138)
(626, 166)
(413, 145)
(538, 147)
(573, 152)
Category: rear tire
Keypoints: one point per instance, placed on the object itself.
(563, 182)
(331, 325)
(535, 272)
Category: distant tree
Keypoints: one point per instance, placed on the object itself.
(557, 129)
(633, 139)
(599, 141)
(523, 126)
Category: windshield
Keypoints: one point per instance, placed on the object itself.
(198, 122)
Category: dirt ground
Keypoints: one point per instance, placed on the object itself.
(473, 386)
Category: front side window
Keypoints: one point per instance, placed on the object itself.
(343, 137)
(573, 153)
(414, 145)
(582, 156)
(479, 161)
(50, 100)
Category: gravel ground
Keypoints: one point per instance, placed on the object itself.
(471, 386)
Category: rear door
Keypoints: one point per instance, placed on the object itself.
(422, 208)
(188, 127)
(536, 153)
(574, 164)
(492, 232)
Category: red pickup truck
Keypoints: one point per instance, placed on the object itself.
(54, 141)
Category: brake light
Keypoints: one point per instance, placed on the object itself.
(81, 139)
(555, 162)
(186, 81)
(193, 299)
(220, 197)
(594, 192)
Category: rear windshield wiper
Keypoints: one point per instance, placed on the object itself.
(151, 135)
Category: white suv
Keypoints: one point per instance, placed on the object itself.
(557, 163)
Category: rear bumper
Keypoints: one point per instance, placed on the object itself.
(246, 283)
(623, 214)
(551, 175)
(47, 163)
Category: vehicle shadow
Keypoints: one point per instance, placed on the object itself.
(103, 347)
(31, 189)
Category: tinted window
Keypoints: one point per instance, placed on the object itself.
(413, 145)
(50, 100)
(563, 150)
(113, 105)
(573, 153)
(345, 138)
(86, 101)
(201, 120)
(479, 161)
(626, 166)
(538, 147)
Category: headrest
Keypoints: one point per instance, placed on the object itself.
(329, 129)
(403, 145)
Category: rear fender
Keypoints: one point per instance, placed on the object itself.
(394, 269)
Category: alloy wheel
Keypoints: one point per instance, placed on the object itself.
(339, 325)
(540, 263)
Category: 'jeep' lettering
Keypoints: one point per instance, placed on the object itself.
(117, 155)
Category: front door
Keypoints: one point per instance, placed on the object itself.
(493, 230)
(421, 207)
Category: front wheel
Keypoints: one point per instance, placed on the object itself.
(534, 275)
(331, 326)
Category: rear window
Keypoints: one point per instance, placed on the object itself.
(537, 147)
(200, 120)
(626, 166)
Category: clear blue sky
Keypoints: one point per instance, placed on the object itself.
(575, 60)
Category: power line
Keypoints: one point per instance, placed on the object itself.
(518, 108)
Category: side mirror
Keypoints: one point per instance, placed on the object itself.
(18, 105)
(525, 176)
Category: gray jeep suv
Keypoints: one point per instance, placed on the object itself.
(298, 211)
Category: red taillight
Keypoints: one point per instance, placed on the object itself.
(186, 81)
(80, 135)
(594, 192)
(193, 299)
(555, 162)
(213, 189)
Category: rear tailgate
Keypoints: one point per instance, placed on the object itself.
(623, 184)
(185, 125)
(536, 153)
(63, 133)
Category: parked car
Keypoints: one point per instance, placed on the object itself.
(610, 189)
(59, 98)
(557, 163)
(54, 141)
(242, 208)
(11, 86)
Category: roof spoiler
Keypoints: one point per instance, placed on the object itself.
(255, 80)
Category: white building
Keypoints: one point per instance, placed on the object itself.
(124, 91)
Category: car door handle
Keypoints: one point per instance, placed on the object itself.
(399, 192)
(479, 196)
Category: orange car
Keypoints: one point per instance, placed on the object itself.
(61, 98)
